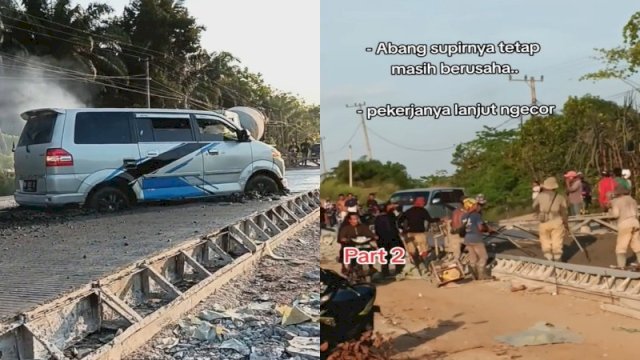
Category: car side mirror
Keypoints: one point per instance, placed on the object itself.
(244, 135)
(435, 201)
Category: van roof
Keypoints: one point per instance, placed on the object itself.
(27, 114)
(429, 189)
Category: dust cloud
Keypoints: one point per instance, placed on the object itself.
(31, 87)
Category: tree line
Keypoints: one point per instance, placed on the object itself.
(106, 53)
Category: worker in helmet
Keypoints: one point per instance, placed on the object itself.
(474, 229)
(552, 210)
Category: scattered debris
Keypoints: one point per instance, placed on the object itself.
(271, 313)
(629, 330)
(368, 347)
(541, 333)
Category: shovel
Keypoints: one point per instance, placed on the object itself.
(586, 254)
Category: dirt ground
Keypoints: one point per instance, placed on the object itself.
(460, 322)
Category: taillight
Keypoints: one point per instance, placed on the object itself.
(59, 157)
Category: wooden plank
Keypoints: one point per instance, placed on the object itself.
(270, 224)
(138, 334)
(162, 282)
(218, 250)
(195, 265)
(290, 213)
(51, 348)
(119, 306)
(261, 233)
(606, 224)
(621, 310)
(239, 237)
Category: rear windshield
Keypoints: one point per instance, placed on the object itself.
(450, 197)
(407, 198)
(38, 130)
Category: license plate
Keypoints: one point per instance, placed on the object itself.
(29, 185)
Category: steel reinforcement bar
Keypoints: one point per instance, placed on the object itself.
(112, 317)
(618, 289)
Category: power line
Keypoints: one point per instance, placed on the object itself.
(144, 52)
(410, 148)
(348, 141)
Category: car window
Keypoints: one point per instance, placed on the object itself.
(216, 130)
(164, 129)
(407, 198)
(102, 128)
(38, 130)
(448, 196)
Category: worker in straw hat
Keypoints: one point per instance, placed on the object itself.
(552, 211)
(625, 209)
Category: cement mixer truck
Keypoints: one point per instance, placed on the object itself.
(251, 119)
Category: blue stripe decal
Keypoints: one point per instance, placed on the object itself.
(121, 170)
(164, 183)
(200, 152)
(173, 193)
(205, 182)
(180, 166)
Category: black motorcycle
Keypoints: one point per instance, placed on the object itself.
(346, 311)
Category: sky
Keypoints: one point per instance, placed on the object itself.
(568, 32)
(279, 39)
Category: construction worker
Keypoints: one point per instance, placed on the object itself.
(457, 232)
(606, 186)
(414, 220)
(625, 209)
(552, 211)
(386, 228)
(474, 227)
(341, 208)
(574, 192)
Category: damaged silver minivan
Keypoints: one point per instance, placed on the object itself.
(109, 159)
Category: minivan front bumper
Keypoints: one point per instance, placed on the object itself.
(47, 200)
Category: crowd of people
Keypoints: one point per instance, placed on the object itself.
(299, 154)
(614, 196)
(390, 227)
(579, 191)
(465, 229)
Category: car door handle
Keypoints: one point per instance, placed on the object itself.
(152, 153)
(130, 163)
(213, 152)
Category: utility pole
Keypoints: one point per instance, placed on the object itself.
(146, 63)
(324, 158)
(364, 127)
(532, 88)
(350, 168)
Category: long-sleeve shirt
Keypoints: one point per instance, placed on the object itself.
(349, 232)
(575, 192)
(625, 209)
(386, 228)
(605, 186)
(415, 219)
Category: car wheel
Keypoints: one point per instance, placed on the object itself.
(262, 185)
(109, 199)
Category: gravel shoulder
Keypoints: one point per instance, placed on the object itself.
(242, 319)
